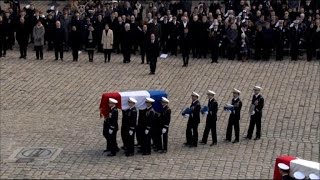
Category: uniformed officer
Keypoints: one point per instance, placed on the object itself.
(296, 40)
(284, 171)
(130, 130)
(110, 128)
(299, 175)
(234, 117)
(215, 41)
(148, 120)
(211, 120)
(193, 121)
(257, 104)
(165, 119)
(280, 39)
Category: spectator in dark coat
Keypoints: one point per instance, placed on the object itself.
(185, 45)
(22, 37)
(58, 41)
(267, 37)
(91, 42)
(126, 43)
(153, 53)
(3, 37)
(232, 36)
(74, 42)
(144, 37)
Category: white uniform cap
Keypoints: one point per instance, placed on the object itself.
(133, 100)
(195, 94)
(298, 175)
(257, 88)
(313, 176)
(283, 166)
(236, 91)
(211, 92)
(114, 1)
(28, 6)
(163, 99)
(150, 100)
(111, 100)
(52, 8)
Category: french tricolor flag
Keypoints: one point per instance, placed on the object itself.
(140, 96)
(296, 164)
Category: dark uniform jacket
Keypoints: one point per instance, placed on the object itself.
(149, 118)
(195, 112)
(237, 104)
(132, 118)
(153, 50)
(213, 109)
(166, 117)
(259, 107)
(22, 35)
(112, 119)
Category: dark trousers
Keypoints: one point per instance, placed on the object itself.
(192, 133)
(279, 53)
(203, 49)
(215, 54)
(90, 55)
(50, 44)
(231, 53)
(195, 50)
(75, 54)
(58, 50)
(255, 120)
(173, 46)
(143, 55)
(294, 51)
(146, 142)
(163, 143)
(3, 47)
(257, 53)
(266, 53)
(233, 123)
(164, 45)
(153, 65)
(310, 51)
(185, 57)
(130, 142)
(39, 51)
(23, 51)
(126, 56)
(106, 134)
(210, 125)
(155, 137)
(107, 54)
(112, 141)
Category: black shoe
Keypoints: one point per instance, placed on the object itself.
(25, 57)
(184, 65)
(192, 145)
(155, 150)
(107, 150)
(129, 154)
(235, 141)
(56, 59)
(212, 144)
(150, 73)
(111, 154)
(202, 142)
(186, 144)
(257, 138)
(61, 59)
(142, 62)
(246, 137)
(163, 151)
(144, 154)
(227, 140)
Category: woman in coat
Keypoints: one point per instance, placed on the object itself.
(107, 42)
(38, 36)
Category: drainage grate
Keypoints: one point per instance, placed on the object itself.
(30, 154)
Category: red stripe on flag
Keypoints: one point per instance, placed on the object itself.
(104, 104)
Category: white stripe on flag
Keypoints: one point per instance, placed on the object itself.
(304, 166)
(140, 96)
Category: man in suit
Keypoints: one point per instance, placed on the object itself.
(193, 121)
(146, 128)
(185, 44)
(211, 120)
(126, 43)
(257, 104)
(173, 35)
(22, 37)
(131, 127)
(58, 41)
(234, 117)
(153, 53)
(110, 128)
(144, 40)
(296, 40)
(165, 119)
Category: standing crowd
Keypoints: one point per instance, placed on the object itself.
(233, 29)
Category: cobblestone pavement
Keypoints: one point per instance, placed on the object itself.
(55, 104)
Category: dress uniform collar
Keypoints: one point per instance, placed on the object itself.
(195, 101)
(257, 95)
(236, 98)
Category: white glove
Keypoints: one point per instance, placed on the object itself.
(299, 42)
(219, 44)
(164, 130)
(110, 131)
(130, 132)
(146, 131)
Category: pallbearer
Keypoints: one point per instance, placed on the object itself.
(257, 104)
(234, 117)
(193, 121)
(130, 130)
(165, 121)
(146, 136)
(211, 120)
(111, 126)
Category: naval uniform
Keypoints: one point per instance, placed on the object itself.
(193, 122)
(255, 118)
(111, 126)
(234, 119)
(146, 131)
(211, 122)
